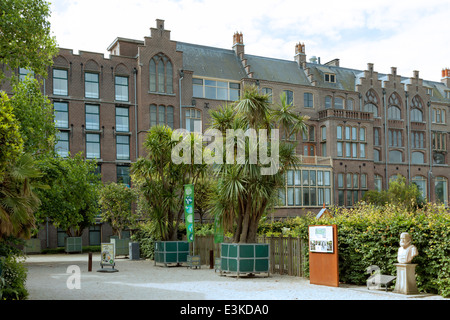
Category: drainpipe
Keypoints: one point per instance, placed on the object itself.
(135, 112)
(179, 92)
(430, 151)
(408, 130)
(386, 152)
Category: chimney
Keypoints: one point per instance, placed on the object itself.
(238, 44)
(446, 77)
(300, 55)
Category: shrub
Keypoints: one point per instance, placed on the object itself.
(12, 279)
(369, 235)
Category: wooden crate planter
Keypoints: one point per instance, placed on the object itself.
(122, 246)
(171, 252)
(73, 244)
(244, 258)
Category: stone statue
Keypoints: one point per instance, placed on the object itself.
(407, 251)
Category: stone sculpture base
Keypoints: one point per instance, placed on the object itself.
(406, 279)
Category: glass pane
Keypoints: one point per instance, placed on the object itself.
(290, 177)
(298, 196)
(312, 177)
(327, 178)
(290, 196)
(305, 177)
(298, 179)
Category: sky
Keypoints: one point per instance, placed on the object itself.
(409, 35)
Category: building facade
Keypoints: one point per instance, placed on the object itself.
(365, 127)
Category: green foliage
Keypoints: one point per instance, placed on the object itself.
(12, 279)
(369, 235)
(11, 142)
(71, 201)
(26, 39)
(146, 234)
(116, 201)
(399, 193)
(34, 111)
(245, 192)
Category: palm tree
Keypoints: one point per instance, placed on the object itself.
(160, 181)
(18, 201)
(243, 193)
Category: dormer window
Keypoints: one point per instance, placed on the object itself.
(330, 77)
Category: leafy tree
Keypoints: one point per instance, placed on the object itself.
(245, 192)
(18, 198)
(400, 193)
(161, 182)
(26, 39)
(11, 143)
(71, 202)
(34, 111)
(116, 201)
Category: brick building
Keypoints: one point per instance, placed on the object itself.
(365, 127)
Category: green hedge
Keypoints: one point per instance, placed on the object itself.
(369, 235)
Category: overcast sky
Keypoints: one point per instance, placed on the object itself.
(410, 35)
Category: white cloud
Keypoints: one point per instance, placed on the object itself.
(411, 35)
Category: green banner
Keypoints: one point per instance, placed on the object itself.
(189, 211)
(218, 231)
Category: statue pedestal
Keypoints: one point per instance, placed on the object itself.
(406, 278)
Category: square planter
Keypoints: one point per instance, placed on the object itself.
(122, 246)
(73, 244)
(171, 252)
(244, 258)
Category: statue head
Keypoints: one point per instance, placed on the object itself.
(405, 240)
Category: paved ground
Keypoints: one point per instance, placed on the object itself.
(50, 278)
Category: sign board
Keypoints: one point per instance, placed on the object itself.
(189, 211)
(107, 254)
(321, 239)
(323, 255)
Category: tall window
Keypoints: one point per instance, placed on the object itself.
(92, 145)
(421, 184)
(122, 147)
(62, 144)
(121, 88)
(123, 174)
(371, 102)
(122, 119)
(378, 182)
(162, 115)
(289, 97)
(267, 91)
(60, 82)
(394, 103)
(439, 141)
(395, 138)
(327, 102)
(395, 156)
(438, 115)
(91, 87)
(308, 100)
(161, 74)
(338, 103)
(440, 189)
(193, 120)
(61, 110)
(417, 140)
(92, 117)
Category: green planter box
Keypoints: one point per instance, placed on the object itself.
(122, 246)
(241, 258)
(73, 244)
(171, 252)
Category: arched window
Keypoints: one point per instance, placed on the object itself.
(417, 158)
(371, 102)
(416, 109)
(395, 156)
(161, 74)
(394, 113)
(338, 103)
(416, 115)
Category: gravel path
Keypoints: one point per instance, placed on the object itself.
(141, 280)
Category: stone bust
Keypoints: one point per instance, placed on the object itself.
(407, 251)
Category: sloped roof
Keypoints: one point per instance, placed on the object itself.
(211, 62)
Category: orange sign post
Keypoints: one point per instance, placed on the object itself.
(323, 255)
